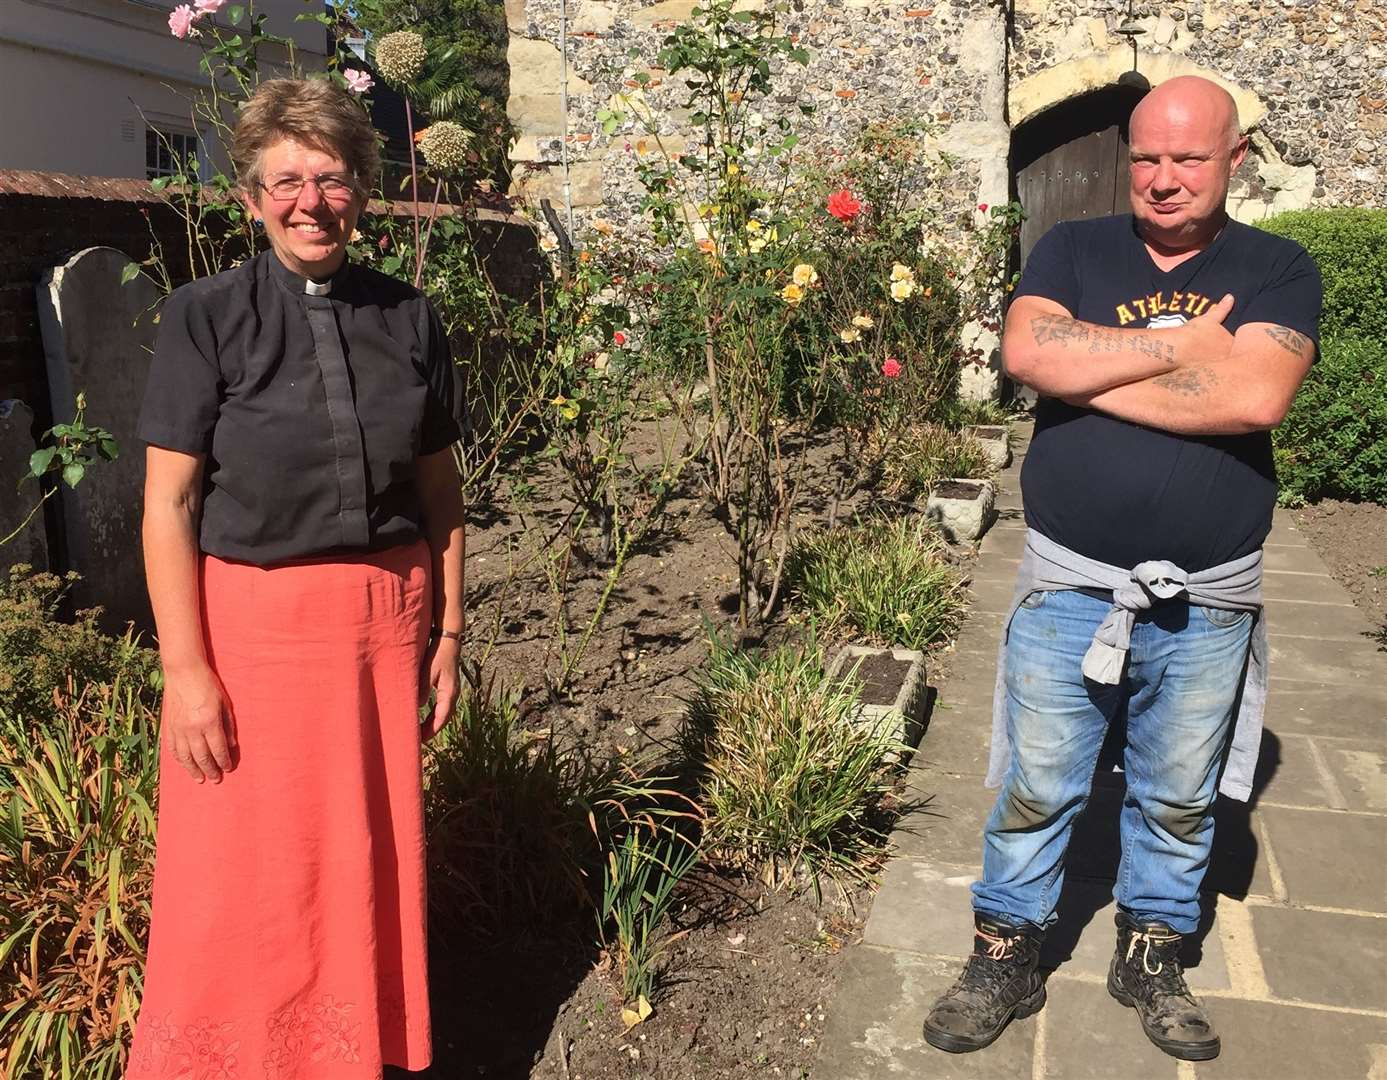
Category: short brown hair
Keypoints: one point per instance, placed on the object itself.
(315, 112)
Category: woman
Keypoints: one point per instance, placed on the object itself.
(303, 537)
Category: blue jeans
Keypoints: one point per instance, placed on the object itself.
(1181, 684)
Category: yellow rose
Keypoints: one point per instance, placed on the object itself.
(901, 290)
(901, 272)
(792, 293)
(753, 226)
(850, 335)
(866, 322)
(756, 243)
(805, 275)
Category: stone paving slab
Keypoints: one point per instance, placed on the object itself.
(948, 828)
(1089, 1036)
(1281, 558)
(1332, 710)
(1323, 958)
(1285, 531)
(958, 740)
(924, 906)
(1263, 1041)
(1326, 622)
(1330, 858)
(873, 1032)
(1291, 770)
(1279, 585)
(1315, 660)
(1360, 771)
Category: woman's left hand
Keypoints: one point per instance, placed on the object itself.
(441, 660)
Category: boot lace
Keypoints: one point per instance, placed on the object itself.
(998, 948)
(1159, 948)
(988, 972)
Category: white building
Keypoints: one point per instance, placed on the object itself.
(102, 88)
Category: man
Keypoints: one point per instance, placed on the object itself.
(1165, 345)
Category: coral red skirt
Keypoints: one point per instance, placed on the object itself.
(288, 937)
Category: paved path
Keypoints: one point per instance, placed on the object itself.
(1294, 963)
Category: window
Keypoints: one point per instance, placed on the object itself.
(166, 151)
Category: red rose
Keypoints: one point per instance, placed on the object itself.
(619, 338)
(843, 206)
(891, 367)
(983, 207)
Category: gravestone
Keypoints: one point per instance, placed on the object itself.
(17, 500)
(97, 337)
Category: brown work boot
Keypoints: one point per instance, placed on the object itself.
(1000, 981)
(1146, 975)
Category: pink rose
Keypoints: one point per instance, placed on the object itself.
(983, 207)
(891, 367)
(619, 338)
(209, 7)
(358, 82)
(181, 20)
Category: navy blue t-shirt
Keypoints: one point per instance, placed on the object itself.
(1123, 493)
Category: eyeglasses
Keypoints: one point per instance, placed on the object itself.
(330, 186)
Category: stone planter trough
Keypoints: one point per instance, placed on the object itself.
(996, 440)
(894, 690)
(963, 508)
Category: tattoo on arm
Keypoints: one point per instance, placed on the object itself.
(1049, 329)
(1191, 382)
(1293, 341)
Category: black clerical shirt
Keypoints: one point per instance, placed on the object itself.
(312, 409)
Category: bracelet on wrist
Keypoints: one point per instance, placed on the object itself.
(438, 632)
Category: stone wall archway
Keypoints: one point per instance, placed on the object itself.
(1093, 71)
(1265, 184)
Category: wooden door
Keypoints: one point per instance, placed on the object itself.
(1071, 162)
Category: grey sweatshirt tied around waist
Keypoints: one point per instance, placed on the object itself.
(1232, 586)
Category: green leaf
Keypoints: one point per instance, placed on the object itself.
(73, 473)
(39, 460)
(130, 273)
(237, 12)
(108, 449)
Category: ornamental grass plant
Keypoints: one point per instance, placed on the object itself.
(520, 826)
(884, 581)
(791, 777)
(78, 773)
(913, 459)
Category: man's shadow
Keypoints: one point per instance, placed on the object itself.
(1091, 862)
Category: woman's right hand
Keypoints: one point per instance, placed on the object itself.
(197, 723)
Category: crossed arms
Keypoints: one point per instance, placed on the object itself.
(1194, 379)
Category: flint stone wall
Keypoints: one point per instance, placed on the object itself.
(1311, 79)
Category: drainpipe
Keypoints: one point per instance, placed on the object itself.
(563, 109)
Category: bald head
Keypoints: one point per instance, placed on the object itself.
(1186, 145)
(1192, 103)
